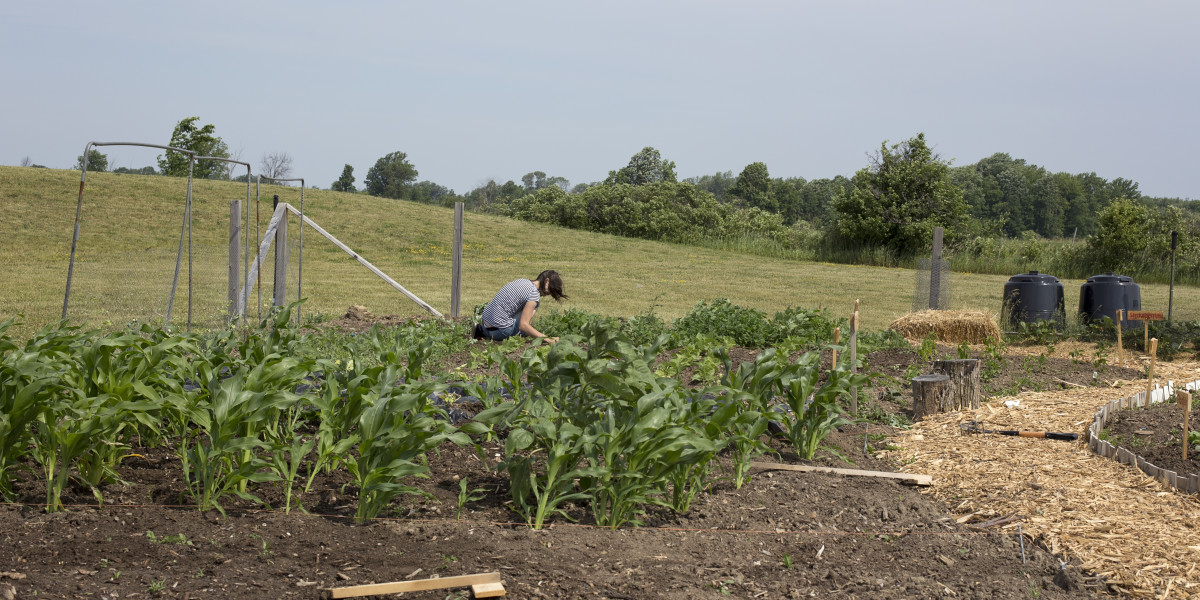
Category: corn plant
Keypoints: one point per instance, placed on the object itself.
(743, 409)
(814, 410)
(542, 456)
(221, 454)
(395, 432)
(28, 378)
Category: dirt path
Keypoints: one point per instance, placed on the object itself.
(1116, 522)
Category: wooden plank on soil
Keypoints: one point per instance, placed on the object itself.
(416, 585)
(487, 590)
(904, 477)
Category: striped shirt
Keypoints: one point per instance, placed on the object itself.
(506, 307)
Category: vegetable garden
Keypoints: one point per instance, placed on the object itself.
(621, 426)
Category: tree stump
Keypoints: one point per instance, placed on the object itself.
(931, 394)
(966, 377)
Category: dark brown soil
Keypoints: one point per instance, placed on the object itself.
(1155, 433)
(783, 535)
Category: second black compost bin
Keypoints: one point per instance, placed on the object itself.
(1103, 295)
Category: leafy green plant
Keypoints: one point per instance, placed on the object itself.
(928, 347)
(466, 496)
(814, 407)
(395, 432)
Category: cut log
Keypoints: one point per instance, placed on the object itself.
(966, 377)
(931, 394)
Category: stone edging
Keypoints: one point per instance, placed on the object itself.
(1188, 484)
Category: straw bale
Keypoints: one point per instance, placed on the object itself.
(1119, 523)
(950, 326)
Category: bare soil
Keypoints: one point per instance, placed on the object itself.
(1156, 434)
(783, 535)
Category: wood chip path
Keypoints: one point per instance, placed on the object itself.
(1140, 535)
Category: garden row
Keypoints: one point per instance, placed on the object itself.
(594, 421)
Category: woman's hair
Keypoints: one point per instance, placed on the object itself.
(553, 284)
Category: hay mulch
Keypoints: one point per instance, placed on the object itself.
(950, 326)
(1139, 535)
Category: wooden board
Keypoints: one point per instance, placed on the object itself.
(487, 590)
(416, 585)
(1144, 315)
(905, 477)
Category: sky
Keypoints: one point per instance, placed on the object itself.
(473, 91)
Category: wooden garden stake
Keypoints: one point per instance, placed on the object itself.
(1120, 346)
(854, 357)
(1185, 402)
(1153, 349)
(837, 335)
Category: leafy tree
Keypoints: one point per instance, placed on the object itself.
(428, 192)
(538, 180)
(900, 198)
(96, 161)
(345, 183)
(277, 165)
(391, 176)
(202, 141)
(717, 184)
(1124, 227)
(644, 167)
(753, 188)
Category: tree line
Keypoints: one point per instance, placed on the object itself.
(999, 212)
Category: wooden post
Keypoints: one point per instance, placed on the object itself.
(837, 336)
(235, 248)
(935, 270)
(1146, 336)
(1120, 346)
(1185, 402)
(1153, 349)
(456, 266)
(931, 393)
(966, 379)
(281, 262)
(854, 358)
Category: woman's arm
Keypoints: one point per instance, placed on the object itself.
(526, 325)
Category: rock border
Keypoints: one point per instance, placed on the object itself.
(1189, 484)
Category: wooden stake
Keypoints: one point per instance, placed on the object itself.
(904, 477)
(1146, 336)
(1185, 402)
(416, 585)
(1120, 346)
(1152, 347)
(854, 358)
(837, 337)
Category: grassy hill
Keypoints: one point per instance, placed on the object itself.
(130, 232)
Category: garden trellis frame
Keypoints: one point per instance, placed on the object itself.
(185, 228)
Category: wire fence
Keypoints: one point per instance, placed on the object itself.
(930, 283)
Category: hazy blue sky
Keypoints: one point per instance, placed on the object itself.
(479, 90)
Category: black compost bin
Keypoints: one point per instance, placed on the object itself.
(1032, 297)
(1103, 295)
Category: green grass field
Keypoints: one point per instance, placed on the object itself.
(130, 232)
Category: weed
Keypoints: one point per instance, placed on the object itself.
(465, 496)
(157, 586)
